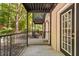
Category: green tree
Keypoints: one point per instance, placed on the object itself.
(13, 15)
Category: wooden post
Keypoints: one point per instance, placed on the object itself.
(27, 28)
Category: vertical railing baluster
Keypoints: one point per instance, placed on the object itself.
(10, 45)
(0, 46)
(7, 45)
(12, 49)
(15, 44)
(27, 29)
(4, 45)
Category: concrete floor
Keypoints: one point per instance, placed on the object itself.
(40, 50)
(38, 41)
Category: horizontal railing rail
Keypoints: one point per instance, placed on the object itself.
(12, 44)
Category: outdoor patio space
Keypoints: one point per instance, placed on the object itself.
(39, 41)
(40, 50)
(39, 29)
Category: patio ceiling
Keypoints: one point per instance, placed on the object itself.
(39, 7)
(39, 10)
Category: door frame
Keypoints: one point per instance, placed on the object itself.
(58, 17)
(69, 7)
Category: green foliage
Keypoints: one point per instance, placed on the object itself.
(4, 14)
(5, 30)
(8, 12)
(22, 25)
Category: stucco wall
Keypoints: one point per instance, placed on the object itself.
(55, 28)
(55, 32)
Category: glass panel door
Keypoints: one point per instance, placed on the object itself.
(66, 32)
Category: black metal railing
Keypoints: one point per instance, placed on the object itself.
(12, 44)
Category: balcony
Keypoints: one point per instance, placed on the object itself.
(16, 45)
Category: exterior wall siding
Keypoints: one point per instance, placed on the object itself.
(55, 28)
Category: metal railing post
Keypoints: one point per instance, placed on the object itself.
(10, 45)
(27, 28)
(0, 46)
